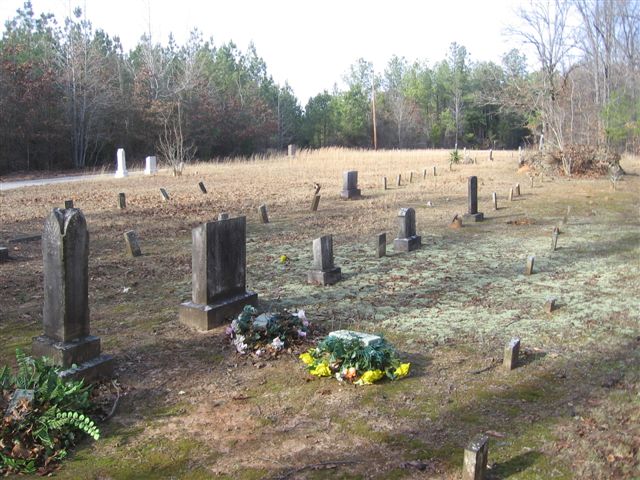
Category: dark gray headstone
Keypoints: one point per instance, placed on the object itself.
(550, 304)
(411, 177)
(203, 189)
(165, 195)
(66, 339)
(399, 180)
(476, 455)
(264, 216)
(122, 201)
(407, 239)
(323, 271)
(472, 196)
(434, 171)
(223, 216)
(350, 185)
(315, 202)
(131, 240)
(4, 254)
(218, 274)
(68, 204)
(381, 245)
(511, 352)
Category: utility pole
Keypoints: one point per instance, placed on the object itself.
(373, 109)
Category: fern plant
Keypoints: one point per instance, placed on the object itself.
(42, 429)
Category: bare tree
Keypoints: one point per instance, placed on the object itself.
(171, 144)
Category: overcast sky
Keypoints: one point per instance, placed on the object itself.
(309, 44)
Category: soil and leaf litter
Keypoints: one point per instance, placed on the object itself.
(191, 406)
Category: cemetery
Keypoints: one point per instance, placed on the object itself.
(246, 330)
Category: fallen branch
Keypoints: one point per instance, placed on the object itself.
(315, 466)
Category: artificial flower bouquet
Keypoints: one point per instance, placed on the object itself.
(267, 333)
(355, 357)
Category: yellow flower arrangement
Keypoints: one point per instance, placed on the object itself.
(370, 376)
(321, 370)
(307, 358)
(402, 370)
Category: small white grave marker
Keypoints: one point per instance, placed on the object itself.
(121, 170)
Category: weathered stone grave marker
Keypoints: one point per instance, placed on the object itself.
(411, 177)
(381, 245)
(66, 339)
(511, 194)
(550, 304)
(121, 169)
(554, 238)
(219, 264)
(150, 166)
(223, 216)
(520, 156)
(407, 240)
(264, 216)
(323, 272)
(511, 352)
(291, 150)
(4, 254)
(531, 179)
(491, 154)
(366, 339)
(494, 198)
(317, 188)
(133, 246)
(68, 204)
(122, 201)
(476, 455)
(424, 174)
(315, 202)
(399, 180)
(529, 268)
(384, 183)
(472, 196)
(434, 171)
(350, 185)
(165, 195)
(517, 190)
(203, 189)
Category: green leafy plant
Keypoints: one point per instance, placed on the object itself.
(454, 156)
(352, 360)
(47, 413)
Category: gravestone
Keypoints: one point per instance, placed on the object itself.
(424, 174)
(550, 304)
(317, 188)
(131, 240)
(399, 180)
(68, 204)
(554, 238)
(531, 178)
(165, 195)
(350, 185)
(410, 177)
(203, 189)
(264, 216)
(366, 339)
(529, 268)
(517, 190)
(476, 455)
(323, 272)
(407, 240)
(491, 154)
(494, 197)
(4, 254)
(121, 169)
(434, 171)
(520, 156)
(20, 405)
(384, 183)
(315, 202)
(511, 352)
(122, 201)
(511, 194)
(381, 245)
(291, 150)
(456, 222)
(150, 166)
(219, 265)
(66, 339)
(472, 196)
(223, 216)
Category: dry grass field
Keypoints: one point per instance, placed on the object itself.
(190, 407)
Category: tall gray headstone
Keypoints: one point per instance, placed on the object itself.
(323, 271)
(381, 245)
(407, 239)
(291, 150)
(121, 168)
(350, 185)
(67, 339)
(150, 166)
(472, 196)
(475, 458)
(219, 264)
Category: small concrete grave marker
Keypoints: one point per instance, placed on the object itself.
(424, 174)
(476, 455)
(131, 240)
(203, 189)
(491, 154)
(554, 238)
(366, 339)
(66, 339)
(517, 190)
(520, 156)
(68, 204)
(529, 268)
(511, 352)
(410, 177)
(350, 185)
(381, 245)
(122, 201)
(165, 195)
(472, 195)
(291, 150)
(223, 216)
(264, 216)
(456, 222)
(434, 171)
(315, 202)
(121, 169)
(324, 272)
(384, 183)
(150, 166)
(399, 180)
(531, 179)
(407, 240)
(511, 194)
(4, 254)
(219, 265)
(494, 198)
(550, 304)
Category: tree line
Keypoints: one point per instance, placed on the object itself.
(70, 95)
